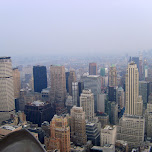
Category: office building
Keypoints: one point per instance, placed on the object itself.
(67, 77)
(121, 146)
(93, 133)
(75, 93)
(103, 119)
(17, 83)
(108, 135)
(93, 82)
(37, 112)
(121, 98)
(58, 86)
(87, 103)
(78, 126)
(40, 78)
(114, 113)
(144, 92)
(140, 69)
(102, 72)
(101, 102)
(92, 69)
(112, 76)
(7, 104)
(134, 103)
(136, 61)
(113, 93)
(45, 93)
(60, 134)
(131, 129)
(71, 78)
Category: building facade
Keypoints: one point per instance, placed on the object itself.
(92, 69)
(112, 76)
(71, 78)
(7, 106)
(40, 78)
(78, 126)
(75, 93)
(87, 103)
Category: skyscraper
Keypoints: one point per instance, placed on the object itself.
(60, 134)
(112, 76)
(16, 82)
(92, 69)
(67, 77)
(87, 103)
(134, 103)
(71, 78)
(40, 78)
(78, 126)
(7, 104)
(93, 82)
(58, 84)
(75, 93)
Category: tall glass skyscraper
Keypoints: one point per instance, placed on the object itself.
(40, 78)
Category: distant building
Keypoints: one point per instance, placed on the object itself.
(37, 112)
(92, 69)
(103, 119)
(46, 94)
(108, 135)
(121, 96)
(58, 86)
(71, 78)
(78, 126)
(101, 102)
(7, 104)
(60, 134)
(40, 78)
(102, 72)
(112, 93)
(17, 83)
(93, 82)
(67, 77)
(112, 76)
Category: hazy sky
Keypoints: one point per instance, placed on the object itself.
(75, 26)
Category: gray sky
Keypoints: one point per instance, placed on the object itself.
(75, 26)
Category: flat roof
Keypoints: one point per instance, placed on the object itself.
(6, 57)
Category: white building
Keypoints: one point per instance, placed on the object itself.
(75, 93)
(108, 135)
(87, 102)
(101, 102)
(7, 104)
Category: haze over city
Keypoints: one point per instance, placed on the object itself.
(75, 27)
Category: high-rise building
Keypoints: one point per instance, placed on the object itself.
(40, 78)
(67, 77)
(136, 60)
(60, 134)
(75, 93)
(108, 135)
(140, 69)
(113, 93)
(131, 129)
(87, 103)
(102, 72)
(121, 96)
(134, 103)
(144, 92)
(17, 83)
(93, 133)
(92, 69)
(112, 76)
(71, 78)
(58, 84)
(78, 126)
(101, 102)
(93, 82)
(7, 104)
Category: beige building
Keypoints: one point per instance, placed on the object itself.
(112, 76)
(87, 103)
(60, 134)
(7, 104)
(71, 78)
(134, 103)
(78, 126)
(17, 83)
(131, 129)
(108, 135)
(58, 84)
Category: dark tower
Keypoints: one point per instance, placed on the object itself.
(40, 78)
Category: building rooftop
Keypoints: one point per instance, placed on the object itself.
(5, 57)
(9, 127)
(108, 127)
